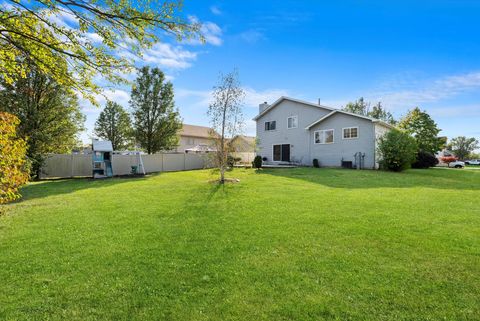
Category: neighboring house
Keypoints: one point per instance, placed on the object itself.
(243, 147)
(194, 138)
(295, 131)
(242, 144)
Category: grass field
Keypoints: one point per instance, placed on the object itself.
(284, 244)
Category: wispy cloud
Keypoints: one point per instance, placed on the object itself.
(210, 31)
(215, 10)
(252, 36)
(400, 95)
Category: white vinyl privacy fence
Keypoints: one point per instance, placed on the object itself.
(63, 165)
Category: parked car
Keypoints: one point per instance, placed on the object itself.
(456, 164)
(473, 162)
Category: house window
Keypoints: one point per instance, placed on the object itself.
(323, 136)
(350, 132)
(270, 125)
(292, 122)
(190, 141)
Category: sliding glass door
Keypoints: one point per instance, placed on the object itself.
(281, 153)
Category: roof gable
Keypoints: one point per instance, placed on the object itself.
(195, 131)
(283, 98)
(337, 111)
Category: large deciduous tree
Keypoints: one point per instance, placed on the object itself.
(423, 128)
(462, 146)
(226, 117)
(86, 36)
(13, 167)
(361, 107)
(114, 124)
(156, 120)
(50, 117)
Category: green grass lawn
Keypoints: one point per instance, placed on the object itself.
(284, 244)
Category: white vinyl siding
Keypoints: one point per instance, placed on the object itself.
(292, 122)
(350, 133)
(324, 136)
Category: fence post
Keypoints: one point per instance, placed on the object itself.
(184, 161)
(71, 165)
(162, 162)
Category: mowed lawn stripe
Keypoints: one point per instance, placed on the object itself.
(282, 244)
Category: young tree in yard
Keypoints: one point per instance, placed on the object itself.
(74, 41)
(156, 120)
(397, 149)
(114, 125)
(421, 126)
(462, 146)
(226, 117)
(50, 117)
(13, 168)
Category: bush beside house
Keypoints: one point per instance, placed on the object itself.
(398, 150)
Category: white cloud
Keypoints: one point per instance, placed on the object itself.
(166, 55)
(215, 10)
(252, 97)
(210, 31)
(397, 96)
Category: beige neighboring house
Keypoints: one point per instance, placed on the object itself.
(243, 144)
(243, 147)
(194, 138)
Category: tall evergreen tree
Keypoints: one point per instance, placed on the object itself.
(156, 120)
(50, 117)
(423, 128)
(114, 124)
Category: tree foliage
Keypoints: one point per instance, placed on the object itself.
(425, 160)
(462, 146)
(397, 149)
(50, 117)
(84, 36)
(13, 167)
(156, 120)
(226, 117)
(361, 107)
(423, 128)
(114, 124)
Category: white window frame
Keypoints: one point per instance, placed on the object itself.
(343, 132)
(296, 120)
(322, 131)
(269, 130)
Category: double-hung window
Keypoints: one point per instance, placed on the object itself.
(323, 136)
(292, 122)
(270, 125)
(350, 133)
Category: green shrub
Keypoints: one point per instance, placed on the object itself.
(13, 162)
(230, 161)
(316, 163)
(425, 160)
(257, 162)
(397, 150)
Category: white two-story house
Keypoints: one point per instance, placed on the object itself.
(295, 131)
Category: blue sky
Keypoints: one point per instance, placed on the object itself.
(403, 53)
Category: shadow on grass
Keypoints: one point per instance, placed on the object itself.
(46, 188)
(346, 178)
